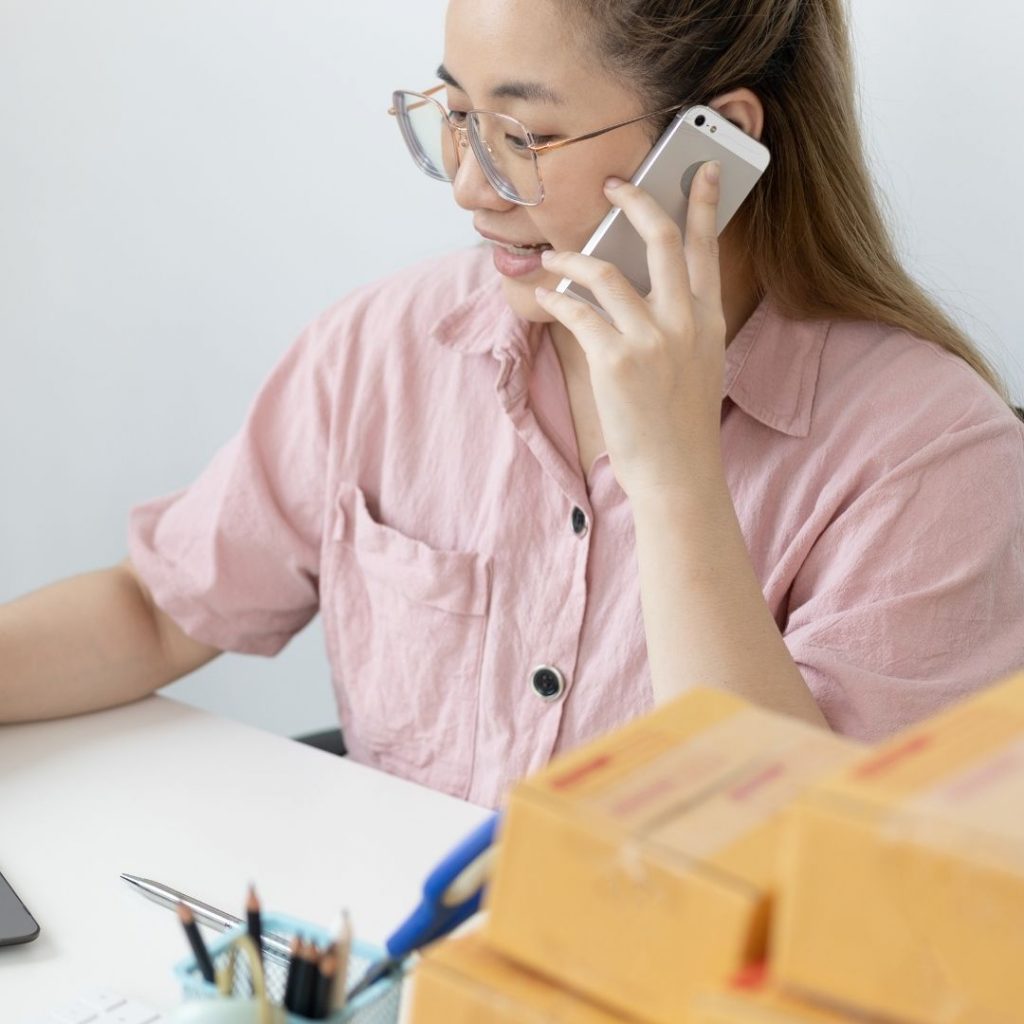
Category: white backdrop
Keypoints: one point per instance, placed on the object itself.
(183, 186)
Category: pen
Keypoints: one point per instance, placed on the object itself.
(275, 946)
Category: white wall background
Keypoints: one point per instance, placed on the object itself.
(183, 186)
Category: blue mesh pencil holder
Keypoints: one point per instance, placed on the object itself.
(379, 1004)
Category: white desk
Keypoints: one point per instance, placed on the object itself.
(203, 804)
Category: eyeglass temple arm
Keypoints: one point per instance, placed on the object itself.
(557, 144)
(426, 92)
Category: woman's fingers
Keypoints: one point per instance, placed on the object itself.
(683, 268)
(701, 242)
(590, 329)
(682, 265)
(609, 286)
(666, 260)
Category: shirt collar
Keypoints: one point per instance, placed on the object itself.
(771, 366)
(484, 322)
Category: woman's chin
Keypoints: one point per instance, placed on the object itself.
(520, 296)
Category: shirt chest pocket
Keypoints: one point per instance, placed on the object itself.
(405, 624)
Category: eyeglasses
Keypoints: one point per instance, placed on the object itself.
(505, 148)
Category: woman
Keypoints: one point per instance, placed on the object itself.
(785, 472)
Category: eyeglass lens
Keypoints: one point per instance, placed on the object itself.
(499, 143)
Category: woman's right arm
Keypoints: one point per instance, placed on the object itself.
(89, 642)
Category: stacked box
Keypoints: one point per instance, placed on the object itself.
(640, 868)
(462, 981)
(753, 999)
(903, 887)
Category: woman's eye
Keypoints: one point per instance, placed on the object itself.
(458, 116)
(517, 142)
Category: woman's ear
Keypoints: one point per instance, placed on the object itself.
(743, 108)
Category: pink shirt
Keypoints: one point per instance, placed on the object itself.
(410, 470)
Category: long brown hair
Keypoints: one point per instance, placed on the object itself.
(813, 227)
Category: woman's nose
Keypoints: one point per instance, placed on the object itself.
(471, 187)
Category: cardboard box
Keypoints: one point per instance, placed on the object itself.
(904, 875)
(755, 1000)
(461, 981)
(639, 868)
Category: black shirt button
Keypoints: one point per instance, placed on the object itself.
(548, 683)
(579, 521)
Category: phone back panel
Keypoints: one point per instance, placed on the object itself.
(666, 173)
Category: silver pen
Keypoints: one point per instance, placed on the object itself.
(275, 946)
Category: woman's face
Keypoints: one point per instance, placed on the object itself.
(489, 43)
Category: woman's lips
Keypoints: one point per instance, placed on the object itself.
(512, 264)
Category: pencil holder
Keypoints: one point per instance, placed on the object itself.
(379, 1004)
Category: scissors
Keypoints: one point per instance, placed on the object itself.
(451, 894)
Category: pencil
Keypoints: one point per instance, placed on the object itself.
(195, 940)
(305, 983)
(343, 951)
(325, 986)
(293, 967)
(254, 924)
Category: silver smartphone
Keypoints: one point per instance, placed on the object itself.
(696, 135)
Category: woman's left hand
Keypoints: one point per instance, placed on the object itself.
(657, 369)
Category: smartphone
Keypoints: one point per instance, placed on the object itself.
(16, 923)
(696, 135)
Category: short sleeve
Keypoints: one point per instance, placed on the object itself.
(913, 596)
(234, 557)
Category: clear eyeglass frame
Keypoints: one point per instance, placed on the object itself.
(463, 132)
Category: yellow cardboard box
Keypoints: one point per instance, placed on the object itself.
(903, 890)
(640, 867)
(461, 981)
(757, 1001)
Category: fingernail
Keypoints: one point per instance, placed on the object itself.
(547, 255)
(613, 182)
(541, 293)
(712, 171)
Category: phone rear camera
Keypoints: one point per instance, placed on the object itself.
(699, 120)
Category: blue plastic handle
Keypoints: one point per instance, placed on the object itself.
(434, 917)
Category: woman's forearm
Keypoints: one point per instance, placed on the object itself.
(705, 617)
